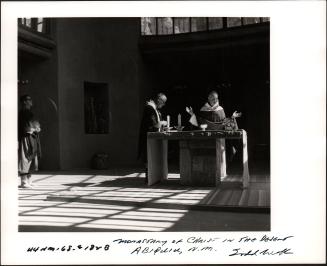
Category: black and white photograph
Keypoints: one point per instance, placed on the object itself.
(160, 135)
(144, 124)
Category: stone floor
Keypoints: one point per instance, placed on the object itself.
(118, 200)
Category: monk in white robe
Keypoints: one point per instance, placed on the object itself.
(213, 115)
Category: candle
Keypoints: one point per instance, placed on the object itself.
(179, 120)
(168, 121)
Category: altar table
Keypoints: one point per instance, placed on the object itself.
(202, 156)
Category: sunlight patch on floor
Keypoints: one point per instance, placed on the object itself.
(45, 223)
(186, 196)
(135, 175)
(174, 176)
(120, 227)
(40, 219)
(199, 191)
(35, 210)
(37, 203)
(142, 218)
(132, 194)
(34, 197)
(73, 205)
(121, 198)
(156, 213)
(127, 224)
(69, 213)
(177, 201)
(107, 202)
(162, 210)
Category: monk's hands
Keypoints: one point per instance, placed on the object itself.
(189, 110)
(236, 114)
(163, 123)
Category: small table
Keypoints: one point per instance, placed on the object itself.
(195, 165)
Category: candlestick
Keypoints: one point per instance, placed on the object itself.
(168, 121)
(179, 120)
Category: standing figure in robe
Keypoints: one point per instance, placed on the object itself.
(151, 122)
(213, 115)
(29, 147)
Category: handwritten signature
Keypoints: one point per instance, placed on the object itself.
(239, 252)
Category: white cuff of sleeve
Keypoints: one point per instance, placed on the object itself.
(193, 120)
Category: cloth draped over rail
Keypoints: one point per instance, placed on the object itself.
(150, 123)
